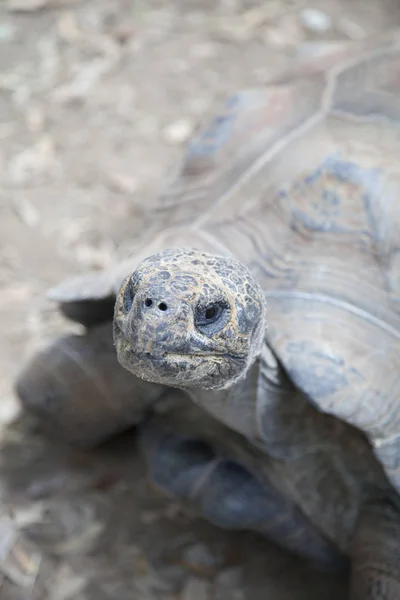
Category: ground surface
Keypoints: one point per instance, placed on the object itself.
(96, 100)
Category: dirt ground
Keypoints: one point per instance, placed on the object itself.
(96, 100)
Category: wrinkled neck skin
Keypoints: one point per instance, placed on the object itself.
(267, 409)
(264, 387)
(224, 404)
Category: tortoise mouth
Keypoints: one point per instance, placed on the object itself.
(195, 356)
(202, 368)
(162, 355)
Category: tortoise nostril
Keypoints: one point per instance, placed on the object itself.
(148, 302)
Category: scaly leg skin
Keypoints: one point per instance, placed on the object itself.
(78, 391)
(226, 493)
(375, 553)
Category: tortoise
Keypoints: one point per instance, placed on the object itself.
(256, 323)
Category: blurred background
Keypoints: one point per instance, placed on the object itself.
(97, 99)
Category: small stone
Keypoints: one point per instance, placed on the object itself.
(196, 589)
(315, 20)
(178, 131)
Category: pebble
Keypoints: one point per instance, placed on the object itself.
(178, 132)
(315, 20)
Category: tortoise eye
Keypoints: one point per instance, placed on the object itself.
(212, 313)
(212, 318)
(128, 297)
(209, 314)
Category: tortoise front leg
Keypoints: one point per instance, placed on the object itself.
(375, 553)
(79, 392)
(199, 462)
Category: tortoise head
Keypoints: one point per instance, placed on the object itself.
(189, 319)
